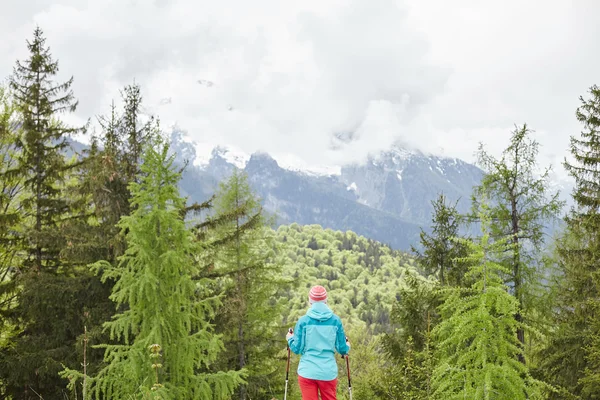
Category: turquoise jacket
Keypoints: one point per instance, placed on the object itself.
(317, 335)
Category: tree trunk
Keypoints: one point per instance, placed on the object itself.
(38, 183)
(242, 359)
(240, 283)
(517, 277)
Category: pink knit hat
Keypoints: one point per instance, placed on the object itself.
(317, 293)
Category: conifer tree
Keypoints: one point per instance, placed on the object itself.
(104, 194)
(53, 292)
(107, 181)
(159, 302)
(476, 338)
(439, 250)
(571, 360)
(415, 314)
(522, 207)
(250, 279)
(40, 101)
(136, 133)
(410, 348)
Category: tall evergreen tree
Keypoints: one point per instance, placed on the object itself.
(476, 337)
(160, 302)
(250, 280)
(439, 250)
(571, 359)
(107, 182)
(53, 289)
(40, 101)
(522, 208)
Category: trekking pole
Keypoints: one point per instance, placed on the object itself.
(287, 370)
(348, 369)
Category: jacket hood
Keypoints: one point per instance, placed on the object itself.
(319, 311)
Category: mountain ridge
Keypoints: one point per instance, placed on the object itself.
(387, 198)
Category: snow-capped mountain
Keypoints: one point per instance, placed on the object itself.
(387, 198)
(404, 183)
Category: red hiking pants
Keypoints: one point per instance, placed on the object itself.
(311, 387)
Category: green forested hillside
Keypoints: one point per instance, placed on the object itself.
(364, 279)
(362, 276)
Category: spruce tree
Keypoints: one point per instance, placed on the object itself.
(159, 302)
(410, 347)
(439, 250)
(250, 279)
(476, 338)
(571, 360)
(107, 181)
(40, 101)
(522, 208)
(135, 132)
(53, 289)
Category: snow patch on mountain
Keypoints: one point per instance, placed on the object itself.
(232, 156)
(203, 154)
(205, 151)
(293, 163)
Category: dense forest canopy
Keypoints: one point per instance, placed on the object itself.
(114, 285)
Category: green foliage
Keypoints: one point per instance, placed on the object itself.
(414, 314)
(439, 250)
(135, 132)
(522, 207)
(11, 190)
(476, 338)
(39, 101)
(251, 282)
(362, 277)
(163, 304)
(54, 291)
(410, 347)
(571, 360)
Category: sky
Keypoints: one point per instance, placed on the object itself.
(328, 82)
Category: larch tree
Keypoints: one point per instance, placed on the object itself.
(476, 338)
(522, 207)
(158, 302)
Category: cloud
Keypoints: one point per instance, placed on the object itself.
(295, 77)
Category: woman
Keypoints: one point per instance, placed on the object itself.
(317, 336)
